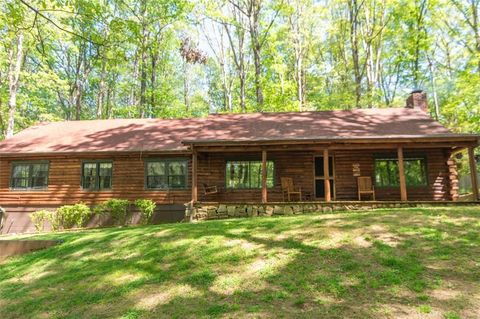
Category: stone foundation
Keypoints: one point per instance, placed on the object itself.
(207, 211)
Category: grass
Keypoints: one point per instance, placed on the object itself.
(403, 263)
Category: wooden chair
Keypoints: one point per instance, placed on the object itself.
(289, 189)
(209, 190)
(365, 186)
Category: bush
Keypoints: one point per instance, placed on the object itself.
(38, 219)
(146, 207)
(70, 216)
(55, 221)
(116, 208)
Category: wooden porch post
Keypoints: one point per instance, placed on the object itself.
(401, 172)
(194, 175)
(473, 172)
(264, 176)
(326, 175)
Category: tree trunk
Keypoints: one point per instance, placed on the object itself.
(258, 85)
(298, 49)
(241, 71)
(101, 92)
(108, 108)
(300, 82)
(353, 19)
(81, 77)
(134, 88)
(78, 102)
(215, 37)
(153, 80)
(434, 88)
(186, 86)
(238, 53)
(143, 84)
(143, 61)
(475, 26)
(256, 48)
(420, 33)
(2, 123)
(15, 59)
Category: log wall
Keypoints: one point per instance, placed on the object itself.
(212, 166)
(300, 166)
(128, 179)
(438, 174)
(64, 183)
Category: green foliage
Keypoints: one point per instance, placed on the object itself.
(146, 208)
(116, 208)
(73, 215)
(368, 54)
(39, 218)
(55, 221)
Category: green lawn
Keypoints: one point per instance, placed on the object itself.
(404, 263)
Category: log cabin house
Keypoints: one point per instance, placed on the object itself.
(230, 158)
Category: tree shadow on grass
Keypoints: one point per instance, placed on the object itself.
(243, 268)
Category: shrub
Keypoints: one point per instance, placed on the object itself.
(38, 219)
(146, 207)
(73, 215)
(55, 221)
(116, 208)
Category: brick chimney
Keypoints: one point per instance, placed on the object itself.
(417, 100)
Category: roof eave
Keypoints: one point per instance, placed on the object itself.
(472, 138)
(179, 151)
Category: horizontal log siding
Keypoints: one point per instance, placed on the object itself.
(64, 183)
(345, 182)
(438, 187)
(128, 178)
(297, 165)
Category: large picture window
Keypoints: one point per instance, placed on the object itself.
(387, 174)
(166, 174)
(97, 175)
(248, 174)
(33, 175)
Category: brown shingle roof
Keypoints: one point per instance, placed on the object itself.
(125, 135)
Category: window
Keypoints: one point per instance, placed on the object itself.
(166, 174)
(248, 174)
(32, 175)
(415, 172)
(97, 175)
(387, 175)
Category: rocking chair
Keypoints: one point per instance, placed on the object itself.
(209, 190)
(289, 189)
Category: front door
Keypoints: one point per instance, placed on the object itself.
(320, 177)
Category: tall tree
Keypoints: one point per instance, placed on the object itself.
(85, 59)
(15, 59)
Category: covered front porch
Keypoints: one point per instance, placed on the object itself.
(324, 172)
